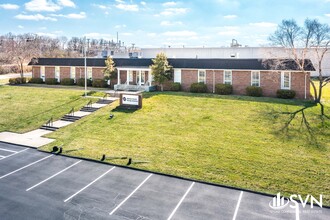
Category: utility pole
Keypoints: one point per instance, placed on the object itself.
(85, 67)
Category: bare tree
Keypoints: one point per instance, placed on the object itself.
(20, 49)
(303, 45)
(310, 41)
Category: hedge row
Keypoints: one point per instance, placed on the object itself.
(16, 81)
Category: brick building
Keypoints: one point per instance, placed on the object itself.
(135, 74)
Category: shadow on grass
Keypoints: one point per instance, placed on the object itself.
(124, 110)
(293, 102)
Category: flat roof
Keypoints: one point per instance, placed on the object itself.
(180, 63)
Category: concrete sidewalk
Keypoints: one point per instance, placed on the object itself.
(35, 138)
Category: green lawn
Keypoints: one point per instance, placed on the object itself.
(25, 108)
(229, 140)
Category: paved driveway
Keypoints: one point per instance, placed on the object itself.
(37, 185)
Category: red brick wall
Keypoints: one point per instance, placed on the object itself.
(98, 73)
(64, 72)
(241, 80)
(49, 72)
(187, 78)
(298, 84)
(36, 72)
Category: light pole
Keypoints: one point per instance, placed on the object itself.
(85, 67)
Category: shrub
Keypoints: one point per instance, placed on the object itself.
(285, 94)
(51, 81)
(223, 89)
(67, 82)
(198, 88)
(254, 91)
(100, 83)
(175, 86)
(36, 80)
(4, 70)
(81, 82)
(16, 81)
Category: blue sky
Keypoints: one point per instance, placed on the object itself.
(209, 23)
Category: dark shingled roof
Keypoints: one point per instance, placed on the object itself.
(181, 63)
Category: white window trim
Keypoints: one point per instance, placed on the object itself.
(200, 70)
(282, 80)
(59, 73)
(255, 71)
(89, 68)
(231, 76)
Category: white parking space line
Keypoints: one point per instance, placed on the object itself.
(53, 176)
(237, 206)
(120, 204)
(181, 200)
(14, 154)
(26, 166)
(89, 184)
(11, 151)
(2, 156)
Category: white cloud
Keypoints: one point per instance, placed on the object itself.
(151, 34)
(229, 31)
(42, 5)
(263, 24)
(120, 26)
(174, 11)
(328, 15)
(169, 4)
(143, 3)
(20, 26)
(66, 3)
(36, 17)
(9, 6)
(126, 34)
(230, 16)
(127, 7)
(103, 7)
(169, 23)
(99, 35)
(47, 34)
(180, 33)
(81, 15)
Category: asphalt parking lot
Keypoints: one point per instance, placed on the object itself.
(38, 185)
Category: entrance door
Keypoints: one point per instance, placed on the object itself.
(143, 77)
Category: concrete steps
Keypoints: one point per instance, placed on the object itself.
(88, 109)
(70, 118)
(48, 128)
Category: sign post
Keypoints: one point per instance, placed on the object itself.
(130, 101)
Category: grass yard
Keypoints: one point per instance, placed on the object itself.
(230, 140)
(26, 108)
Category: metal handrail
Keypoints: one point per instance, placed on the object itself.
(89, 104)
(71, 112)
(49, 123)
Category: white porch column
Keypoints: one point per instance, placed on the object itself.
(150, 77)
(140, 77)
(127, 78)
(118, 77)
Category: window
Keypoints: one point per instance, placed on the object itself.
(73, 72)
(42, 73)
(89, 72)
(57, 73)
(131, 76)
(285, 80)
(255, 78)
(201, 76)
(227, 78)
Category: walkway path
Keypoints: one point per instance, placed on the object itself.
(35, 138)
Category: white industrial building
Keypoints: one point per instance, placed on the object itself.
(231, 52)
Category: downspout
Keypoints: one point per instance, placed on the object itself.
(213, 82)
(305, 85)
